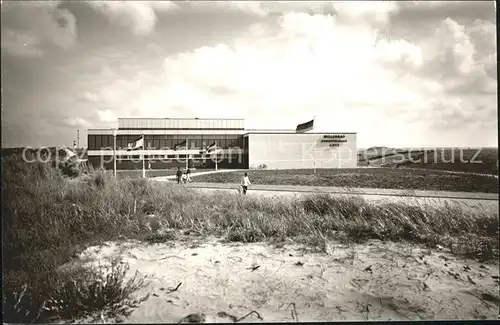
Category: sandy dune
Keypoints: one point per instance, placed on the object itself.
(221, 282)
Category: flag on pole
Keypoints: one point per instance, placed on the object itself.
(69, 153)
(304, 127)
(181, 146)
(211, 148)
(137, 144)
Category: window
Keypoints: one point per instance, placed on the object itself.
(91, 142)
(208, 140)
(233, 141)
(239, 142)
(122, 143)
(106, 141)
(98, 142)
(198, 143)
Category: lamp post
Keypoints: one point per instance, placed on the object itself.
(314, 145)
(187, 154)
(216, 156)
(143, 156)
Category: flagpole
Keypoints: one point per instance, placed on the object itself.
(187, 163)
(114, 152)
(314, 147)
(216, 155)
(143, 157)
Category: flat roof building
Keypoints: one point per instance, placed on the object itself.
(171, 142)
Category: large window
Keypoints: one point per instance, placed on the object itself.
(239, 141)
(91, 142)
(133, 137)
(98, 142)
(106, 141)
(157, 142)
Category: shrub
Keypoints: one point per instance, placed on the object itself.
(72, 294)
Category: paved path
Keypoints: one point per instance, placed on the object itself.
(349, 191)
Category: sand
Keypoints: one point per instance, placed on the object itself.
(222, 282)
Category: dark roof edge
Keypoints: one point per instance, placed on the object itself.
(309, 133)
(179, 118)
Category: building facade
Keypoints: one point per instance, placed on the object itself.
(169, 143)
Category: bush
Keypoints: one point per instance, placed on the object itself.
(76, 293)
(69, 168)
(46, 221)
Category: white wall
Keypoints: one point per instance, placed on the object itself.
(302, 150)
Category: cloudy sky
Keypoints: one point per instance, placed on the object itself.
(400, 74)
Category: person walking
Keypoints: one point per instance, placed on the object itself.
(188, 175)
(178, 174)
(245, 183)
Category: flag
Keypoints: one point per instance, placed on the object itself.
(181, 146)
(139, 143)
(69, 153)
(211, 147)
(305, 126)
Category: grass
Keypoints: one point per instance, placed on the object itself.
(440, 160)
(48, 220)
(387, 178)
(122, 174)
(478, 160)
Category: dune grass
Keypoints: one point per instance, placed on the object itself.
(48, 219)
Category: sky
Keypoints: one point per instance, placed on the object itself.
(400, 74)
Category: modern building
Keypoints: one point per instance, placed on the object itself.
(221, 143)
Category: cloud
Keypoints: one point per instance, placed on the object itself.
(252, 7)
(462, 58)
(302, 65)
(367, 11)
(428, 83)
(18, 43)
(27, 27)
(449, 113)
(423, 12)
(90, 97)
(309, 59)
(106, 115)
(138, 16)
(77, 122)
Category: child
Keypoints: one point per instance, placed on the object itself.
(245, 183)
(178, 174)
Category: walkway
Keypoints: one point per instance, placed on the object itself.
(347, 191)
